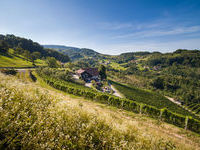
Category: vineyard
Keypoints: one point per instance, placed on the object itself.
(164, 114)
(194, 108)
(150, 98)
(33, 118)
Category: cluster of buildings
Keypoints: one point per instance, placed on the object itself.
(88, 74)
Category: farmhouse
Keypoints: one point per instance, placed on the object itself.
(88, 74)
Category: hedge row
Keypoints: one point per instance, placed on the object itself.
(162, 114)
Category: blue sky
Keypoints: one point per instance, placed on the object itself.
(108, 26)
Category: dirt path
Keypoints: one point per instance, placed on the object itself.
(178, 103)
(88, 85)
(172, 100)
(116, 92)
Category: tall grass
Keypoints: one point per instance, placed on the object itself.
(32, 118)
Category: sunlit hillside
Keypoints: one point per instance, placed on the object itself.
(34, 115)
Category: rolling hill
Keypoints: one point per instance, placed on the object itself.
(23, 45)
(73, 52)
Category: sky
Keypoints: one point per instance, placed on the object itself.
(107, 26)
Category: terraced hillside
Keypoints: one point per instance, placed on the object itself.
(149, 97)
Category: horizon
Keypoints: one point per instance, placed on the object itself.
(108, 27)
(122, 52)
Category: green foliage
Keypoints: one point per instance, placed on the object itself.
(152, 111)
(32, 119)
(193, 125)
(61, 74)
(126, 57)
(16, 60)
(76, 53)
(126, 104)
(33, 78)
(173, 118)
(9, 71)
(22, 45)
(149, 98)
(35, 55)
(158, 83)
(26, 54)
(3, 47)
(102, 72)
(181, 57)
(52, 62)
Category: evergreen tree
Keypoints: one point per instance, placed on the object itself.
(3, 47)
(102, 72)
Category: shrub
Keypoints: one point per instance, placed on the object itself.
(102, 98)
(193, 125)
(115, 101)
(152, 111)
(173, 118)
(32, 76)
(9, 71)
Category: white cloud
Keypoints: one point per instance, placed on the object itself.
(160, 32)
(151, 46)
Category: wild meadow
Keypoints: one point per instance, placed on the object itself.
(34, 118)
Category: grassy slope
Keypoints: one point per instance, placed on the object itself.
(70, 119)
(116, 66)
(150, 98)
(12, 60)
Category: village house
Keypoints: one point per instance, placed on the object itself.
(88, 74)
(157, 68)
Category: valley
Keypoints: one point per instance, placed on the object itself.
(130, 89)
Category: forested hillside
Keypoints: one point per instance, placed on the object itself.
(75, 53)
(28, 47)
(174, 74)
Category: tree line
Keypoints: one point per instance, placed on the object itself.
(29, 49)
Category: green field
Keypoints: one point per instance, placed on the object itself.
(149, 97)
(12, 60)
(117, 66)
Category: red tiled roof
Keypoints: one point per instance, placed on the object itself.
(92, 71)
(80, 71)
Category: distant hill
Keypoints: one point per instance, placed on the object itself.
(60, 47)
(73, 52)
